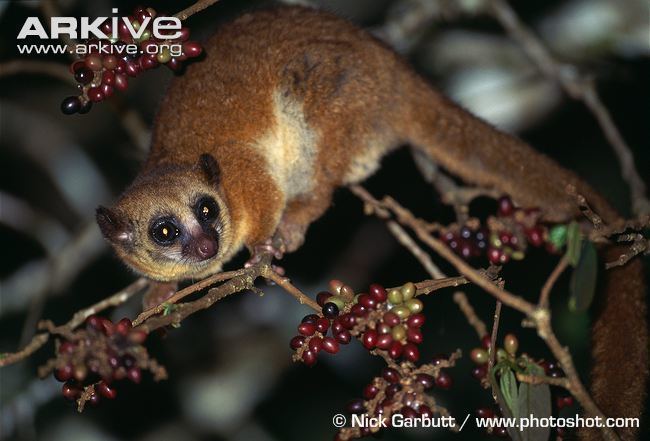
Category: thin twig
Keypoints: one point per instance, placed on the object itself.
(196, 7)
(115, 300)
(78, 318)
(35, 344)
(286, 284)
(550, 282)
(179, 295)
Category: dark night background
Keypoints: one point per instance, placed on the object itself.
(231, 376)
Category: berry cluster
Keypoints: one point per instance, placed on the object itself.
(400, 389)
(91, 359)
(506, 236)
(101, 72)
(388, 321)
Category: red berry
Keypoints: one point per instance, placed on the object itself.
(343, 337)
(391, 375)
(500, 432)
(309, 358)
(109, 62)
(95, 322)
(367, 301)
(494, 255)
(370, 392)
(315, 344)
(427, 381)
(95, 94)
(330, 345)
(322, 324)
(415, 321)
(359, 310)
(306, 329)
(322, 297)
(506, 207)
(414, 335)
(105, 390)
(67, 347)
(123, 326)
(486, 341)
(370, 338)
(479, 372)
(425, 411)
(297, 342)
(443, 380)
(63, 374)
(192, 49)
(131, 68)
(411, 352)
(391, 319)
(108, 78)
(94, 62)
(484, 412)
(348, 320)
(395, 350)
(311, 318)
(70, 391)
(121, 82)
(392, 390)
(378, 293)
(535, 236)
(356, 406)
(134, 374)
(384, 341)
(409, 412)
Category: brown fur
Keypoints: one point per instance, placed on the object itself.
(294, 103)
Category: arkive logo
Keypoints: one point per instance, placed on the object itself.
(162, 27)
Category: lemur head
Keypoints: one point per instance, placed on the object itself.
(171, 224)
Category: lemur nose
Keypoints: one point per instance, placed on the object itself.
(206, 248)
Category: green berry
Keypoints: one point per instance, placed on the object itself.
(511, 344)
(408, 291)
(479, 355)
(414, 305)
(338, 301)
(399, 333)
(401, 311)
(395, 296)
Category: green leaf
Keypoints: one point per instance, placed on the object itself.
(508, 386)
(534, 399)
(583, 279)
(168, 308)
(558, 235)
(574, 243)
(505, 410)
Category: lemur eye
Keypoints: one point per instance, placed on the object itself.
(164, 232)
(207, 209)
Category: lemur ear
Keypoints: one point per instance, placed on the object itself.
(210, 167)
(112, 226)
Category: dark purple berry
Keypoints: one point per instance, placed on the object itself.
(330, 310)
(71, 105)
